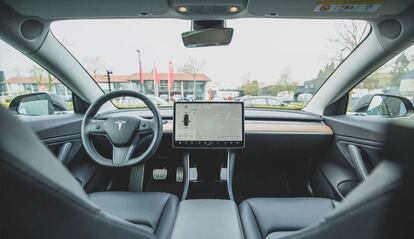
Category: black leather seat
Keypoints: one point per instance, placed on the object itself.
(273, 218)
(154, 210)
(379, 208)
(39, 198)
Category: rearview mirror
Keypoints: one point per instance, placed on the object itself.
(207, 37)
(389, 106)
(32, 104)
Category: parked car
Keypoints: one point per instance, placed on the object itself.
(262, 101)
(129, 102)
(218, 98)
(189, 98)
(176, 98)
(304, 98)
(164, 97)
(158, 101)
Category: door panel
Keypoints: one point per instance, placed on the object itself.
(358, 127)
(62, 135)
(361, 155)
(354, 153)
(54, 127)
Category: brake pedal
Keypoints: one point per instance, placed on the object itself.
(159, 174)
(179, 175)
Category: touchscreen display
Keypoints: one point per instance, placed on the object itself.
(208, 124)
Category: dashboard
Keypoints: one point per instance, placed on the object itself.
(293, 132)
(288, 132)
(256, 121)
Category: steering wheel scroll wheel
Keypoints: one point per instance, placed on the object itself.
(125, 133)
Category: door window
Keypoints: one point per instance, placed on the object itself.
(259, 101)
(27, 88)
(388, 91)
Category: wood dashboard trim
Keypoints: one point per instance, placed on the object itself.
(276, 128)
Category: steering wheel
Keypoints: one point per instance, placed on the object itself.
(124, 132)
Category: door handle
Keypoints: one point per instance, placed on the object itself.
(357, 161)
(64, 152)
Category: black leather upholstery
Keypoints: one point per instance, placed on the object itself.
(277, 217)
(379, 208)
(39, 198)
(153, 210)
(374, 210)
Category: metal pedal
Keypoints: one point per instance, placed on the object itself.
(159, 174)
(223, 174)
(179, 175)
(193, 174)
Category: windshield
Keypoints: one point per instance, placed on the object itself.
(269, 63)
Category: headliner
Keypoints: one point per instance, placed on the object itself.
(79, 9)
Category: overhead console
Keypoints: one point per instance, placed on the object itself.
(209, 7)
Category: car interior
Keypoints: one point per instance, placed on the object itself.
(306, 167)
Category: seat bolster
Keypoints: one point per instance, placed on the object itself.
(249, 222)
(278, 235)
(263, 216)
(166, 222)
(154, 210)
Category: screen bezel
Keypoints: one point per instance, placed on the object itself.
(208, 144)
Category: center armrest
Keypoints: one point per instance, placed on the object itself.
(207, 218)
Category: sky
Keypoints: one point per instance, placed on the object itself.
(261, 48)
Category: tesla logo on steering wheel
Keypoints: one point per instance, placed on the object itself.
(120, 123)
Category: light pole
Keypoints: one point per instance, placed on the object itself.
(140, 71)
(108, 74)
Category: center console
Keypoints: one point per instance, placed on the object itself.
(207, 209)
(218, 129)
(208, 175)
(207, 219)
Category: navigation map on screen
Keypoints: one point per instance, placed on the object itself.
(208, 124)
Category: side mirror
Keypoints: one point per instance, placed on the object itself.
(389, 106)
(32, 104)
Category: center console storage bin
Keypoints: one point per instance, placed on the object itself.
(207, 219)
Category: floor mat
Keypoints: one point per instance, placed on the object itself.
(268, 178)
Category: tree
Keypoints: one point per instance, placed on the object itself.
(193, 67)
(49, 81)
(95, 65)
(37, 74)
(351, 34)
(323, 74)
(399, 68)
(372, 81)
(284, 83)
(250, 88)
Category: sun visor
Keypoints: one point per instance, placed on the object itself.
(362, 9)
(75, 9)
